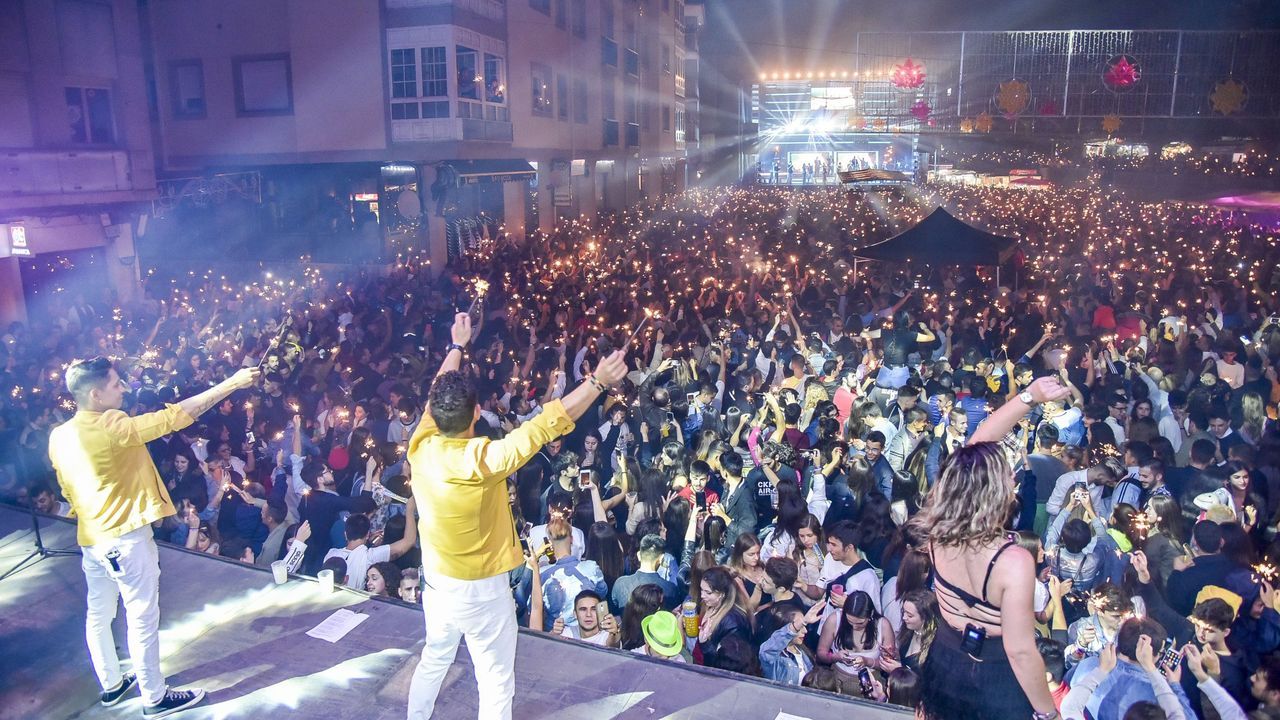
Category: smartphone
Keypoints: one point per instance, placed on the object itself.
(864, 680)
(584, 478)
(249, 437)
(1245, 339)
(602, 609)
(1169, 658)
(691, 397)
(974, 638)
(671, 419)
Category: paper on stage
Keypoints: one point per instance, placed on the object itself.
(336, 626)
(789, 716)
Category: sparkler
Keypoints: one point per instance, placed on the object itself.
(647, 314)
(481, 289)
(279, 338)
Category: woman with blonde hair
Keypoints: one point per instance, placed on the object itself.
(1253, 417)
(983, 662)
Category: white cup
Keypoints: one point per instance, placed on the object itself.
(280, 571)
(326, 580)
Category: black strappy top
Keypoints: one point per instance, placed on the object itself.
(965, 596)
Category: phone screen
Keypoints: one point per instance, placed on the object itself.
(584, 478)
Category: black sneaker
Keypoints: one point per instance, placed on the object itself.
(111, 697)
(173, 701)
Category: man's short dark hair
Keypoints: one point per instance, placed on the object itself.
(588, 593)
(907, 391)
(791, 413)
(846, 532)
(338, 566)
(1214, 612)
(1075, 535)
(1140, 451)
(1096, 411)
(1143, 710)
(782, 571)
(915, 414)
(1135, 627)
(1207, 536)
(85, 375)
(731, 463)
(277, 512)
(357, 527)
(1154, 465)
(452, 402)
(652, 547)
(1203, 450)
(1052, 652)
(875, 436)
(700, 468)
(1047, 434)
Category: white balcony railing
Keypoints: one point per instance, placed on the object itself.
(47, 172)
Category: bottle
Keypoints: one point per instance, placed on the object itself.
(690, 612)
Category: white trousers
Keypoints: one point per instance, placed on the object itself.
(138, 582)
(490, 629)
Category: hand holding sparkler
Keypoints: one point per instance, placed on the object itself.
(647, 315)
(481, 288)
(278, 339)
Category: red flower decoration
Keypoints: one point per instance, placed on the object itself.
(1048, 107)
(907, 76)
(1122, 73)
(921, 110)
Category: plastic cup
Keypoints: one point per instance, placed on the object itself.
(280, 572)
(326, 580)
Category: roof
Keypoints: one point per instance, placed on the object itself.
(941, 239)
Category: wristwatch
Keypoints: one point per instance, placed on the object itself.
(1025, 397)
(454, 346)
(1050, 715)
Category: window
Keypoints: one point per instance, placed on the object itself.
(606, 18)
(679, 123)
(645, 121)
(469, 77)
(608, 52)
(666, 59)
(560, 14)
(607, 99)
(90, 116)
(580, 101)
(629, 102)
(562, 96)
(264, 85)
(435, 72)
(186, 87)
(541, 82)
(666, 118)
(580, 18)
(435, 109)
(542, 6)
(404, 74)
(495, 80)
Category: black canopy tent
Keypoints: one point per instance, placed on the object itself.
(942, 239)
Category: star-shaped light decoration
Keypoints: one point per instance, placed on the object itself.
(1111, 123)
(1013, 98)
(908, 76)
(1229, 96)
(1123, 72)
(966, 125)
(984, 123)
(920, 110)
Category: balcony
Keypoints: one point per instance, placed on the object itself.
(610, 133)
(39, 178)
(608, 52)
(633, 134)
(486, 130)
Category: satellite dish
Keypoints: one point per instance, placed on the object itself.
(409, 204)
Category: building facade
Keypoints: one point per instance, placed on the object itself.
(353, 130)
(76, 155)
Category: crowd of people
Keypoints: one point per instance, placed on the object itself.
(847, 476)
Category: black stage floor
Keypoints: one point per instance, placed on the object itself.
(227, 628)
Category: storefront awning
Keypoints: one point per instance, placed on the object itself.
(480, 171)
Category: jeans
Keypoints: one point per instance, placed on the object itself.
(138, 583)
(490, 629)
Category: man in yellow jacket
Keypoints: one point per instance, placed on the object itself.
(101, 459)
(469, 539)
